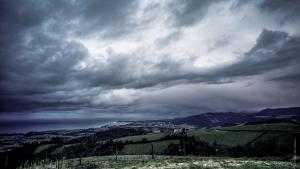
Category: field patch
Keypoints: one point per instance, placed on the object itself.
(139, 138)
(61, 149)
(145, 148)
(227, 138)
(42, 148)
(275, 127)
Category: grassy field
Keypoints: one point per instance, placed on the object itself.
(149, 137)
(227, 138)
(164, 162)
(267, 127)
(60, 149)
(144, 148)
(278, 137)
(43, 148)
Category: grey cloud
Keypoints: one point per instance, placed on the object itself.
(38, 65)
(44, 65)
(273, 50)
(130, 72)
(50, 69)
(45, 59)
(111, 18)
(169, 39)
(290, 77)
(36, 61)
(224, 97)
(189, 12)
(106, 18)
(221, 42)
(288, 11)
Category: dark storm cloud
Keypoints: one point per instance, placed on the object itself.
(43, 60)
(22, 21)
(40, 67)
(286, 11)
(104, 18)
(110, 18)
(273, 50)
(53, 70)
(45, 65)
(35, 58)
(113, 16)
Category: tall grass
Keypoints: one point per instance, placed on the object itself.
(46, 164)
(145, 162)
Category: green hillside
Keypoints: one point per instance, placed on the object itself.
(227, 138)
(211, 136)
(255, 135)
(260, 140)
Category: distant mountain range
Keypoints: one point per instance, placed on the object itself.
(230, 118)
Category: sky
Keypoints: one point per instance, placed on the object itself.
(127, 59)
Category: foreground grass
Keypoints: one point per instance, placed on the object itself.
(164, 162)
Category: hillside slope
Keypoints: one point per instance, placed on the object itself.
(231, 118)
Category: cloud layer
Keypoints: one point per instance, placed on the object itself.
(154, 59)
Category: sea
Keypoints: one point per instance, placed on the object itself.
(46, 125)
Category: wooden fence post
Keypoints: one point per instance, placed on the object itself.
(116, 158)
(295, 152)
(80, 159)
(183, 142)
(152, 151)
(6, 161)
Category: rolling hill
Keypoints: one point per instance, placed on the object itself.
(216, 119)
